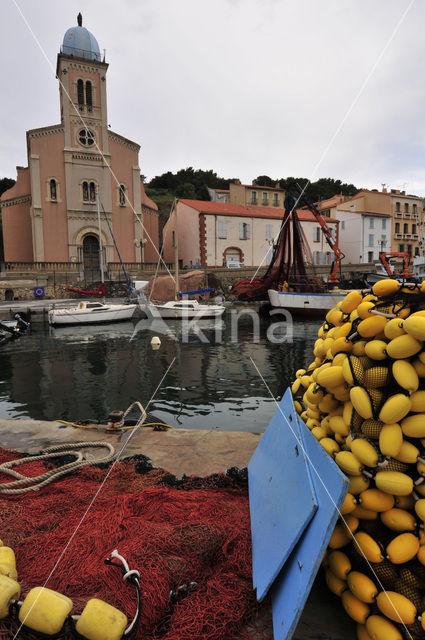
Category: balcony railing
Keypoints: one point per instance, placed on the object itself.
(31, 267)
(114, 267)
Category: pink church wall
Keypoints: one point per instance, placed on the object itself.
(188, 230)
(49, 148)
(16, 221)
(123, 160)
(151, 223)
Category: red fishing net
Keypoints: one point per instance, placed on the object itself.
(198, 531)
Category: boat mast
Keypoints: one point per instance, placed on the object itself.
(102, 276)
(176, 252)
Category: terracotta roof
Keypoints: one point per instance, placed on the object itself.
(229, 209)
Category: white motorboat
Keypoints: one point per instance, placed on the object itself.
(182, 309)
(305, 303)
(87, 312)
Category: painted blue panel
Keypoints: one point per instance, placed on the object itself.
(292, 587)
(281, 495)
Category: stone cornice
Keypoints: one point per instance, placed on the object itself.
(124, 141)
(11, 202)
(83, 65)
(80, 155)
(45, 131)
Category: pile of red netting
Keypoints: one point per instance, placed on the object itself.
(198, 531)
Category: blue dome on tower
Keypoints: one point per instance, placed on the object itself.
(79, 42)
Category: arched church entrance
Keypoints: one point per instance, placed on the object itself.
(91, 262)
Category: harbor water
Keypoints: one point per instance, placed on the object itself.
(82, 373)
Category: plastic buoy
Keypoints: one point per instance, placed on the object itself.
(100, 621)
(403, 548)
(9, 590)
(155, 343)
(362, 586)
(44, 610)
(396, 607)
(379, 628)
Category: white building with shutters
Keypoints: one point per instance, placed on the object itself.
(213, 233)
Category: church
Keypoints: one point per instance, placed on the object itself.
(50, 214)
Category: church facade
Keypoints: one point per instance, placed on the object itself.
(50, 214)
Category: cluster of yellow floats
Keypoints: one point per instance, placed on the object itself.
(363, 398)
(46, 611)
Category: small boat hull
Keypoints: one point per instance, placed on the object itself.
(76, 316)
(305, 303)
(187, 314)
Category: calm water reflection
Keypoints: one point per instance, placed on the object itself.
(77, 373)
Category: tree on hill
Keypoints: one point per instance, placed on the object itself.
(320, 189)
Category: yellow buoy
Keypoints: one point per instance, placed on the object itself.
(405, 375)
(396, 607)
(364, 514)
(9, 590)
(364, 309)
(365, 451)
(395, 408)
(404, 346)
(368, 547)
(376, 349)
(351, 301)
(349, 504)
(337, 425)
(340, 537)
(398, 520)
(414, 426)
(420, 509)
(44, 610)
(330, 446)
(356, 609)
(348, 462)
(330, 377)
(390, 439)
(379, 628)
(372, 326)
(361, 586)
(101, 621)
(394, 482)
(408, 453)
(417, 400)
(361, 402)
(376, 500)
(358, 484)
(402, 548)
(386, 287)
(339, 564)
(415, 327)
(359, 348)
(336, 585)
(393, 329)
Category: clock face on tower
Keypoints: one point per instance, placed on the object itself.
(86, 137)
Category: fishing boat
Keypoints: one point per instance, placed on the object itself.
(305, 303)
(184, 309)
(87, 312)
(13, 329)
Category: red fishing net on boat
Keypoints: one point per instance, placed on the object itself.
(173, 533)
(291, 266)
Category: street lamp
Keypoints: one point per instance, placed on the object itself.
(140, 242)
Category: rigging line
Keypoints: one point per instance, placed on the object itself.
(92, 501)
(117, 250)
(275, 239)
(322, 482)
(80, 117)
(357, 96)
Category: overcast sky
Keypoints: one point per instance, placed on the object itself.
(315, 88)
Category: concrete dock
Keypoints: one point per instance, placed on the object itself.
(190, 452)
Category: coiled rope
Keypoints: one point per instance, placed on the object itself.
(24, 484)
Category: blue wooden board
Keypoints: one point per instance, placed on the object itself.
(281, 495)
(292, 587)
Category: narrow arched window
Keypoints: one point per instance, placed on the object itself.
(122, 195)
(92, 192)
(85, 191)
(53, 190)
(89, 102)
(80, 93)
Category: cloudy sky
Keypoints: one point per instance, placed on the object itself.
(315, 88)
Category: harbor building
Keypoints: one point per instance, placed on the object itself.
(50, 214)
(214, 234)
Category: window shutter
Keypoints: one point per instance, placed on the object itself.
(248, 231)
